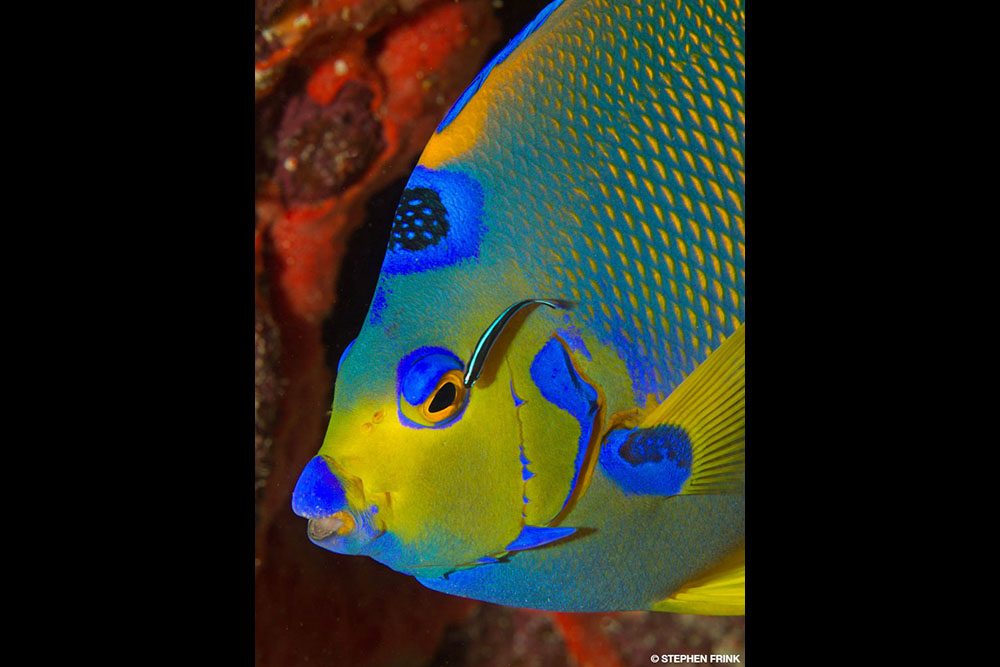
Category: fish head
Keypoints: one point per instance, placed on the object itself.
(417, 469)
(425, 463)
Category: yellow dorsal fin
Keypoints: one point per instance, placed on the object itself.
(709, 406)
(718, 591)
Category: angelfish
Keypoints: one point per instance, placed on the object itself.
(545, 405)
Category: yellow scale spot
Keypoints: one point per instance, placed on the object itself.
(672, 152)
(716, 190)
(641, 269)
(712, 239)
(659, 168)
(678, 314)
(621, 314)
(633, 300)
(576, 255)
(642, 164)
(705, 211)
(658, 211)
(667, 194)
(687, 202)
(686, 270)
(682, 134)
(657, 278)
(724, 214)
(650, 316)
(605, 310)
(639, 205)
(689, 158)
(593, 264)
(628, 219)
(596, 289)
(679, 177)
(630, 280)
(670, 264)
(700, 138)
(618, 295)
(717, 286)
(728, 111)
(646, 230)
(735, 199)
(620, 191)
(731, 270)
(717, 266)
(696, 182)
(604, 249)
(705, 305)
(699, 256)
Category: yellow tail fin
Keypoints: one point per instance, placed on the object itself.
(717, 592)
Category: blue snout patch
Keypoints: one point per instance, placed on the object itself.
(318, 493)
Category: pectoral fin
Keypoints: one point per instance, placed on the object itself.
(693, 442)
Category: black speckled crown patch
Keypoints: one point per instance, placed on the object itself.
(421, 220)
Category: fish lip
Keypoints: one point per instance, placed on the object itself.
(340, 523)
(343, 531)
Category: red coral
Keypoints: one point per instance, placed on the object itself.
(352, 109)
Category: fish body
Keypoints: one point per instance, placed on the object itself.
(596, 461)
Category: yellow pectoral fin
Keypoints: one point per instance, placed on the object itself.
(710, 406)
(717, 592)
(692, 443)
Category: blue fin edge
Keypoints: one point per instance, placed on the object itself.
(532, 537)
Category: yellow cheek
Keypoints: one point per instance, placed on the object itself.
(456, 491)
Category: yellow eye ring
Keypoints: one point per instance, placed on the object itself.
(446, 399)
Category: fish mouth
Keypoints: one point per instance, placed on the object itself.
(345, 531)
(339, 523)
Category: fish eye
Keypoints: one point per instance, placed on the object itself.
(446, 399)
(431, 392)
